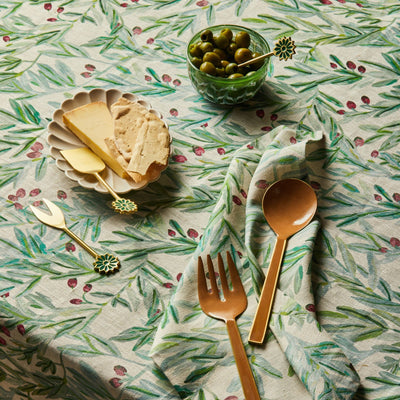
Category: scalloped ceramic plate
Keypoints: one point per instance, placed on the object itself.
(61, 138)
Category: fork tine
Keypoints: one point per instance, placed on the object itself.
(201, 281)
(234, 274)
(54, 210)
(211, 274)
(222, 276)
(55, 214)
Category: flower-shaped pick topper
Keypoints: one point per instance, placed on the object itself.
(284, 49)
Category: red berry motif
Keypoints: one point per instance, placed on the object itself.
(310, 307)
(87, 288)
(374, 153)
(115, 382)
(350, 65)
(76, 301)
(21, 329)
(361, 69)
(377, 197)
(220, 151)
(396, 197)
(120, 370)
(333, 65)
(359, 141)
(166, 78)
(261, 184)
(34, 192)
(72, 282)
(351, 105)
(260, 113)
(365, 99)
(179, 158)
(198, 151)
(171, 233)
(192, 233)
(395, 242)
(236, 200)
(47, 6)
(274, 117)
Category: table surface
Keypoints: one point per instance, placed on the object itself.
(70, 333)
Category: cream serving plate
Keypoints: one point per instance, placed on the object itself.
(61, 138)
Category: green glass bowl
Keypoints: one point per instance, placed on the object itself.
(230, 91)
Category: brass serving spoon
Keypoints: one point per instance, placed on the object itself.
(284, 49)
(86, 162)
(288, 206)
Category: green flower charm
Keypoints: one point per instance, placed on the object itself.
(124, 206)
(284, 48)
(106, 264)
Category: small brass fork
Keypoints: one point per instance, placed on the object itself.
(104, 263)
(234, 302)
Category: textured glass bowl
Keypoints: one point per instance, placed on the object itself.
(230, 91)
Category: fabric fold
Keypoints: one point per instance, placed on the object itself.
(193, 350)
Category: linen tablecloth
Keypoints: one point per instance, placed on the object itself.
(68, 333)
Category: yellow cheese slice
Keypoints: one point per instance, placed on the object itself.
(92, 124)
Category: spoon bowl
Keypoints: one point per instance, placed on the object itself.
(288, 205)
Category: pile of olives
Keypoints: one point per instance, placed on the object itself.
(220, 55)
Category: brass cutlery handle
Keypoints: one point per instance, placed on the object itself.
(104, 263)
(246, 376)
(260, 321)
(123, 206)
(80, 242)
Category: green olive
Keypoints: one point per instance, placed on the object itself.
(242, 39)
(208, 68)
(228, 33)
(212, 57)
(231, 68)
(221, 53)
(234, 76)
(196, 61)
(221, 72)
(206, 47)
(224, 63)
(242, 55)
(206, 36)
(230, 50)
(195, 50)
(221, 41)
(258, 64)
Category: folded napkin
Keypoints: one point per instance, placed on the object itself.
(299, 358)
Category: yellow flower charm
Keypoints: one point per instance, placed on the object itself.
(285, 48)
(106, 264)
(124, 206)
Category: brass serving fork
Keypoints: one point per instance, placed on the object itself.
(104, 263)
(234, 302)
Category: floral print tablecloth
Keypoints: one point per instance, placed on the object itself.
(68, 333)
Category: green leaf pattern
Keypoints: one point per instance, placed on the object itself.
(329, 116)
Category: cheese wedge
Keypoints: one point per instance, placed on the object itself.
(92, 124)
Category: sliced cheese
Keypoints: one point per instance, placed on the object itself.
(92, 124)
(140, 139)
